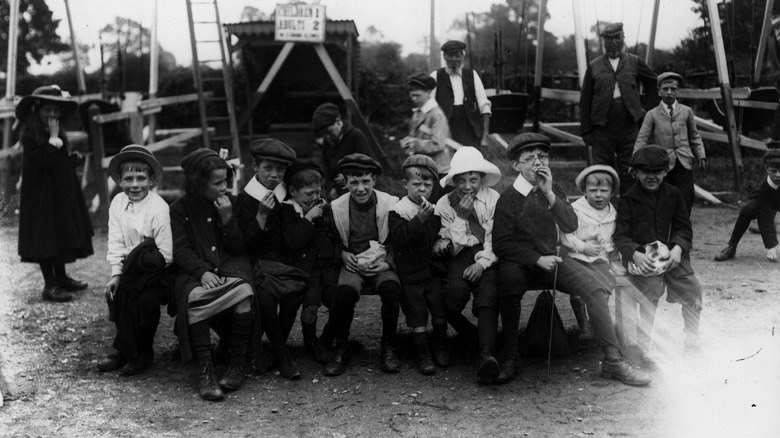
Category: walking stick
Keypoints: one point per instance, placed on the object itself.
(552, 313)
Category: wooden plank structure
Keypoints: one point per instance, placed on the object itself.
(298, 73)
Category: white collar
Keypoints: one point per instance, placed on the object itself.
(406, 208)
(128, 202)
(256, 190)
(296, 206)
(522, 185)
(666, 107)
(427, 106)
(771, 184)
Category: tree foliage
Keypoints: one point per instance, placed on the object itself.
(37, 34)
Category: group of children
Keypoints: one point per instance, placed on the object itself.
(243, 266)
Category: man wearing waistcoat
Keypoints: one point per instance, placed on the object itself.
(461, 95)
(610, 109)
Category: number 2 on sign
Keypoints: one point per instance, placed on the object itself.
(317, 24)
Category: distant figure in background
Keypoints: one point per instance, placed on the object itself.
(428, 129)
(610, 108)
(461, 95)
(671, 126)
(54, 225)
(338, 139)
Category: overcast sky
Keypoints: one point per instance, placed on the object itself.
(402, 21)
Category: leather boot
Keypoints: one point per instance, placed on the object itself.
(390, 361)
(56, 294)
(144, 360)
(621, 369)
(338, 363)
(72, 285)
(509, 365)
(209, 390)
(726, 253)
(424, 360)
(488, 366)
(441, 354)
(321, 353)
(234, 377)
(583, 322)
(288, 369)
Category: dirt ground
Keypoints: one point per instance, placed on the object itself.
(48, 354)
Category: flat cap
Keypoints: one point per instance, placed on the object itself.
(650, 158)
(772, 156)
(420, 160)
(453, 45)
(668, 76)
(526, 140)
(299, 166)
(191, 160)
(323, 118)
(360, 162)
(612, 29)
(272, 149)
(422, 81)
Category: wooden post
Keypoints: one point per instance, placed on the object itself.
(579, 41)
(538, 68)
(766, 29)
(725, 89)
(98, 153)
(154, 62)
(79, 72)
(653, 28)
(137, 127)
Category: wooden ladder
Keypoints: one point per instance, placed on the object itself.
(216, 103)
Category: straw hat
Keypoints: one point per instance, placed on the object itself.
(48, 93)
(136, 153)
(580, 179)
(469, 159)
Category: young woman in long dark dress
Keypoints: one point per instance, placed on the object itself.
(54, 224)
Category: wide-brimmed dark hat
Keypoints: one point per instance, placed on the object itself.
(48, 93)
(134, 152)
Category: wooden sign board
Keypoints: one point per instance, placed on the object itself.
(300, 23)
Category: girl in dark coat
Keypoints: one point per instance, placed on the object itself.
(215, 278)
(54, 224)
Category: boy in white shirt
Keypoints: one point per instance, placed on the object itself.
(140, 247)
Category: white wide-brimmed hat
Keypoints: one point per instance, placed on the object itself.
(470, 159)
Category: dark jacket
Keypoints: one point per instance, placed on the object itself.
(768, 205)
(524, 227)
(53, 216)
(446, 98)
(307, 241)
(202, 244)
(412, 242)
(352, 141)
(643, 218)
(599, 84)
(265, 244)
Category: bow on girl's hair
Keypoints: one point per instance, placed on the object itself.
(234, 163)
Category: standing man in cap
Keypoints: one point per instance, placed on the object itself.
(610, 109)
(338, 139)
(462, 97)
(428, 128)
(671, 125)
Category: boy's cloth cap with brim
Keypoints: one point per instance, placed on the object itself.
(650, 158)
(134, 152)
(421, 81)
(273, 150)
(48, 93)
(299, 166)
(453, 46)
(579, 181)
(469, 159)
(612, 29)
(359, 162)
(323, 118)
(668, 76)
(419, 160)
(191, 160)
(772, 156)
(524, 141)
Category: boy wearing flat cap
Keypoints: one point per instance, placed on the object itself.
(466, 239)
(763, 205)
(525, 235)
(338, 139)
(462, 97)
(414, 228)
(361, 220)
(278, 285)
(428, 128)
(140, 247)
(652, 210)
(671, 125)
